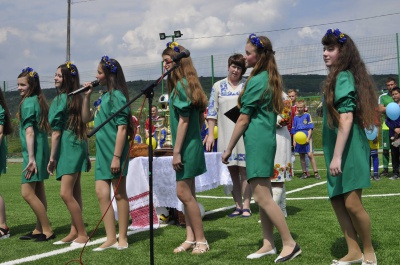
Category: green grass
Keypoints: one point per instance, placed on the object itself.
(311, 221)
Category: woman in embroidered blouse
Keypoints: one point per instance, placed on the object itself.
(224, 95)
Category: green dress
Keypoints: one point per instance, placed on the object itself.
(3, 145)
(72, 151)
(355, 157)
(260, 136)
(192, 152)
(111, 101)
(30, 117)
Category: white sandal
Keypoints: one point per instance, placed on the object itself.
(182, 249)
(198, 250)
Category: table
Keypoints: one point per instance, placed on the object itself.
(164, 185)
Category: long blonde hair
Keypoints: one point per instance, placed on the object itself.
(267, 63)
(194, 90)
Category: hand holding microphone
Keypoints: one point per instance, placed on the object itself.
(85, 88)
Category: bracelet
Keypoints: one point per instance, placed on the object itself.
(117, 156)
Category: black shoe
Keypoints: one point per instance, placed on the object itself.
(394, 176)
(30, 236)
(43, 237)
(296, 251)
(384, 173)
(377, 177)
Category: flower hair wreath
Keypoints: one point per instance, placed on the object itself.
(30, 71)
(109, 64)
(71, 67)
(173, 45)
(258, 43)
(339, 35)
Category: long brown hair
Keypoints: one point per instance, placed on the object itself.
(70, 83)
(349, 59)
(35, 89)
(194, 90)
(7, 126)
(267, 63)
(116, 80)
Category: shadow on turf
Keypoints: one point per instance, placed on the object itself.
(339, 248)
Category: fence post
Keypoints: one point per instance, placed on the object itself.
(162, 81)
(398, 55)
(212, 70)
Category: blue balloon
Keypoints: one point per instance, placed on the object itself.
(393, 111)
(371, 134)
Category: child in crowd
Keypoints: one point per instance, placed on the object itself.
(302, 122)
(374, 146)
(111, 149)
(69, 137)
(5, 129)
(292, 94)
(187, 103)
(350, 104)
(394, 130)
(34, 127)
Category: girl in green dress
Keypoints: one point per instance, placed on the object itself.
(69, 137)
(260, 101)
(111, 149)
(350, 103)
(34, 127)
(5, 129)
(187, 104)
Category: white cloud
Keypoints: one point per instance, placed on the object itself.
(308, 32)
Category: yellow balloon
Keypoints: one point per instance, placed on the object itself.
(300, 138)
(215, 132)
(153, 142)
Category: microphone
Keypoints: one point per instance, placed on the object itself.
(182, 54)
(85, 88)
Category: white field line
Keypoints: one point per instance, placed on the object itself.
(101, 240)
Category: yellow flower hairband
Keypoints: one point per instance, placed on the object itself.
(173, 45)
(71, 67)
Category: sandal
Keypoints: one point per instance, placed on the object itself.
(235, 213)
(246, 211)
(198, 250)
(4, 233)
(182, 249)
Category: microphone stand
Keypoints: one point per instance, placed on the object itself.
(149, 92)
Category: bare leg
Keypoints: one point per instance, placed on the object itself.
(123, 210)
(34, 194)
(236, 190)
(246, 189)
(271, 215)
(303, 162)
(3, 221)
(185, 192)
(103, 196)
(361, 221)
(70, 187)
(313, 163)
(349, 232)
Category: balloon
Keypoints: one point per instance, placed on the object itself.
(300, 138)
(153, 142)
(371, 134)
(215, 132)
(393, 111)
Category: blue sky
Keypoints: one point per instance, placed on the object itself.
(33, 33)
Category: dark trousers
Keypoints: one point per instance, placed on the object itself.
(395, 152)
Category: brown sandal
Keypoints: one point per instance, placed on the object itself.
(198, 250)
(182, 249)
